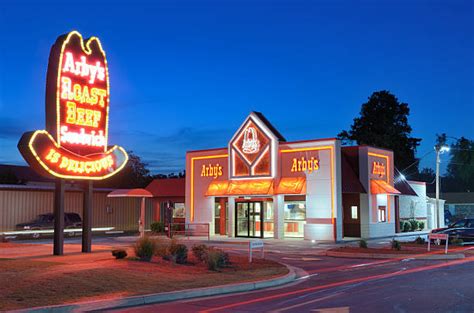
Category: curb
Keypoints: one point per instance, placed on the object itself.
(335, 254)
(165, 296)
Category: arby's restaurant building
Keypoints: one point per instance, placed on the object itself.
(262, 186)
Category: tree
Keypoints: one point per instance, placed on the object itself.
(134, 175)
(383, 123)
(461, 164)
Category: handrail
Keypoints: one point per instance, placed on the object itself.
(189, 229)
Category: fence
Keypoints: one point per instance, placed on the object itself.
(189, 229)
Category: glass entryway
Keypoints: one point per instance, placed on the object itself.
(248, 219)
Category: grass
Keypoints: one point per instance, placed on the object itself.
(42, 282)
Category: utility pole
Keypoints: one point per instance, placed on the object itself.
(439, 150)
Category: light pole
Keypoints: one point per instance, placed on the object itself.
(440, 149)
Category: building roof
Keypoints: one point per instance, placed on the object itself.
(456, 197)
(167, 187)
(402, 185)
(270, 126)
(22, 174)
(350, 180)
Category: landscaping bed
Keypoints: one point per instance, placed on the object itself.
(400, 249)
(84, 277)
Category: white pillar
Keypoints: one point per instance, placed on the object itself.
(231, 217)
(278, 216)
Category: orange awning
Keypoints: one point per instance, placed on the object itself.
(217, 188)
(291, 186)
(381, 187)
(250, 187)
(240, 187)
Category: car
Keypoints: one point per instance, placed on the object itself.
(462, 229)
(46, 221)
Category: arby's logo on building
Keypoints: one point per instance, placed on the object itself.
(250, 151)
(75, 142)
(378, 169)
(250, 144)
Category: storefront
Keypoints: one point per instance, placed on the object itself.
(262, 186)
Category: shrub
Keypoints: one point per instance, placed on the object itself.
(396, 245)
(402, 225)
(157, 227)
(413, 225)
(178, 253)
(145, 248)
(200, 252)
(217, 259)
(119, 253)
(363, 244)
(406, 227)
(420, 240)
(421, 225)
(456, 241)
(162, 248)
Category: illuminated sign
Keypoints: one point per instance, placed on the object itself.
(378, 169)
(210, 170)
(302, 165)
(250, 144)
(250, 152)
(75, 142)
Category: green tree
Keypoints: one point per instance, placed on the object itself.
(134, 175)
(383, 123)
(461, 164)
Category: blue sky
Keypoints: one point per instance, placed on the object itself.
(184, 74)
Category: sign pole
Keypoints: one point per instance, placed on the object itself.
(87, 217)
(58, 248)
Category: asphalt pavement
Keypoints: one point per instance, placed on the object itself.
(328, 284)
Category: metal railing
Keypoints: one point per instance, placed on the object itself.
(189, 229)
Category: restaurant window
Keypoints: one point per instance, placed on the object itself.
(382, 213)
(179, 211)
(354, 212)
(295, 218)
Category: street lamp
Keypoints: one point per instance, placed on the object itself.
(440, 149)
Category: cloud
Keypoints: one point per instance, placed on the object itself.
(167, 153)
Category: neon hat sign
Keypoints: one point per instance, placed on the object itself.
(75, 142)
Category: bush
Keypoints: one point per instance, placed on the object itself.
(157, 227)
(145, 248)
(396, 245)
(162, 248)
(119, 253)
(217, 259)
(406, 226)
(200, 252)
(456, 241)
(413, 225)
(420, 240)
(402, 225)
(363, 244)
(421, 225)
(178, 253)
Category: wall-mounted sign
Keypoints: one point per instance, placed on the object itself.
(378, 169)
(250, 151)
(75, 142)
(305, 165)
(250, 144)
(211, 170)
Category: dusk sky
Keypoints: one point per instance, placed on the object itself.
(185, 74)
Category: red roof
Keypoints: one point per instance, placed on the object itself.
(167, 187)
(350, 180)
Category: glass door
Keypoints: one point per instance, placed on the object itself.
(249, 219)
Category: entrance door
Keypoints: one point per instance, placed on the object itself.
(249, 219)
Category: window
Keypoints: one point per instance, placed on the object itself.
(381, 210)
(178, 211)
(354, 212)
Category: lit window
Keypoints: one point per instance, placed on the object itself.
(179, 210)
(381, 214)
(354, 212)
